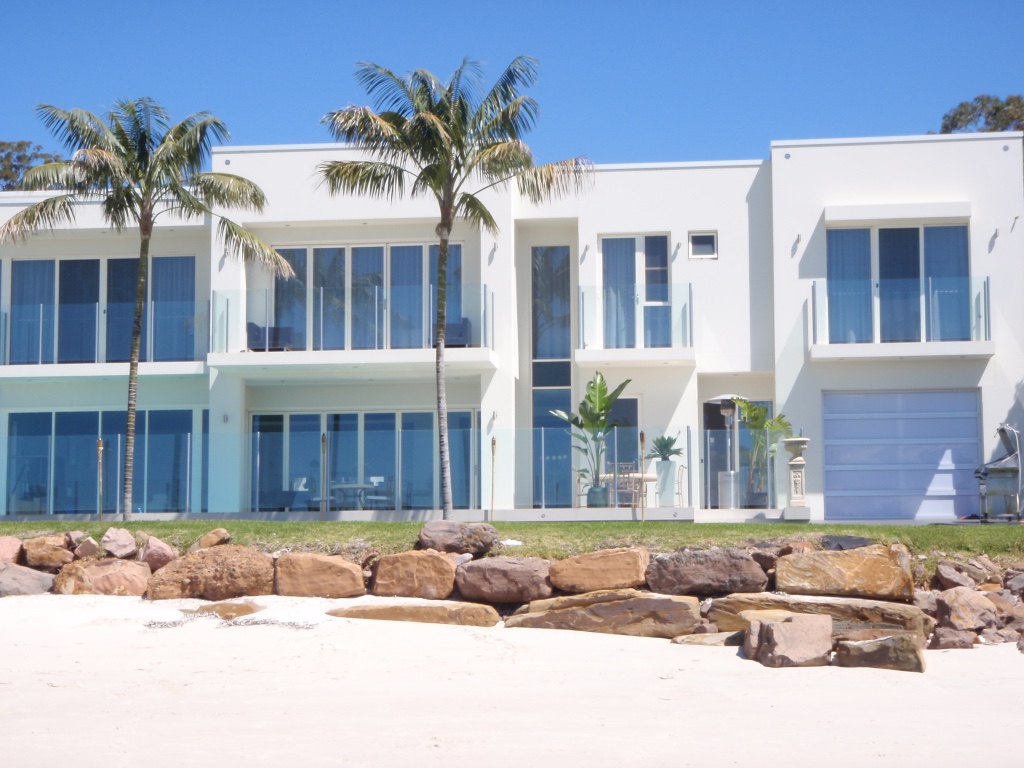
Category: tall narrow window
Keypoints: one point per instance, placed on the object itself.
(267, 462)
(32, 286)
(74, 462)
(899, 284)
(368, 300)
(461, 447)
(78, 311)
(947, 283)
(849, 286)
(28, 463)
(174, 290)
(289, 331)
(620, 297)
(418, 450)
(328, 298)
(168, 469)
(407, 295)
(657, 311)
(122, 276)
(453, 298)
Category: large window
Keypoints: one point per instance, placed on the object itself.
(898, 284)
(636, 287)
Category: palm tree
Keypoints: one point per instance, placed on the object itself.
(139, 167)
(452, 142)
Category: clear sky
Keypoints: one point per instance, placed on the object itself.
(620, 81)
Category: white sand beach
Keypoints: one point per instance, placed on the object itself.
(115, 681)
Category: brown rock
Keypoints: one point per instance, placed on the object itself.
(925, 600)
(505, 579)
(214, 538)
(754, 620)
(705, 573)
(119, 543)
(873, 634)
(1004, 602)
(464, 614)
(47, 552)
(948, 576)
(103, 577)
(798, 641)
(460, 538)
(10, 549)
(711, 639)
(875, 571)
(156, 554)
(797, 547)
(898, 652)
(705, 628)
(945, 639)
(1014, 581)
(963, 608)
(640, 614)
(75, 538)
(605, 569)
(19, 580)
(301, 574)
(765, 558)
(849, 613)
(1016, 618)
(425, 573)
(218, 573)
(87, 547)
(998, 636)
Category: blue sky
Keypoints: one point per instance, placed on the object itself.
(621, 82)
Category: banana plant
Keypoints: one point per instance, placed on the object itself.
(590, 426)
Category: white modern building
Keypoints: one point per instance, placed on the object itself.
(869, 289)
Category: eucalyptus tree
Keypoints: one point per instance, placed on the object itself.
(451, 141)
(138, 167)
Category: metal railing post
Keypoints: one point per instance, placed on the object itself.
(99, 477)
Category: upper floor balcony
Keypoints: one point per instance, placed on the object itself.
(44, 334)
(634, 324)
(887, 318)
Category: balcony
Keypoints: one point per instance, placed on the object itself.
(896, 319)
(35, 337)
(355, 334)
(633, 325)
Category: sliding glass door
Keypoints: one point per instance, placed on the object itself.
(78, 311)
(32, 289)
(407, 293)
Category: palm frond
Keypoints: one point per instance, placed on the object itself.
(75, 128)
(185, 148)
(391, 92)
(241, 243)
(121, 206)
(228, 191)
(520, 73)
(513, 120)
(62, 175)
(381, 134)
(502, 160)
(46, 214)
(363, 177)
(471, 209)
(553, 180)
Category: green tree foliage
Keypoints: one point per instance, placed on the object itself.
(16, 157)
(139, 167)
(449, 141)
(986, 114)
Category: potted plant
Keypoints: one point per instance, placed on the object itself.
(590, 432)
(765, 434)
(663, 449)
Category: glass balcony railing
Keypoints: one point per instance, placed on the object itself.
(636, 317)
(913, 310)
(402, 317)
(37, 334)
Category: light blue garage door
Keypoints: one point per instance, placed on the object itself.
(901, 455)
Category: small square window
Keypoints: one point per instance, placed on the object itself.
(703, 245)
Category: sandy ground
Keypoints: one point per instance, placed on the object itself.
(113, 681)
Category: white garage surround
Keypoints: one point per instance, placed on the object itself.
(907, 455)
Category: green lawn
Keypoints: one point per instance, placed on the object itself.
(558, 540)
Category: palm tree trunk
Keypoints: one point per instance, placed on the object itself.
(443, 232)
(146, 230)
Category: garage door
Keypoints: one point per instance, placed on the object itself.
(901, 455)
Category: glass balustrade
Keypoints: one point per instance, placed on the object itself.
(634, 317)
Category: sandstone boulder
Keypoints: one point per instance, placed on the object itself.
(963, 608)
(926, 601)
(898, 652)
(460, 538)
(425, 573)
(505, 579)
(214, 538)
(10, 549)
(19, 580)
(218, 573)
(875, 571)
(945, 639)
(848, 613)
(705, 573)
(442, 612)
(87, 547)
(75, 538)
(1014, 581)
(301, 574)
(766, 558)
(1016, 618)
(754, 620)
(119, 543)
(797, 641)
(156, 553)
(797, 547)
(605, 569)
(103, 577)
(615, 612)
(1004, 602)
(948, 576)
(47, 552)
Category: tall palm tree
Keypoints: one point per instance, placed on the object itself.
(139, 167)
(450, 141)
